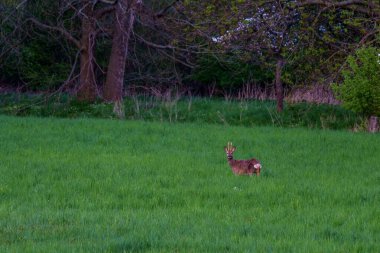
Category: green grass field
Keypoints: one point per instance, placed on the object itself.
(92, 185)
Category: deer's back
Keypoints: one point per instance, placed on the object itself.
(244, 166)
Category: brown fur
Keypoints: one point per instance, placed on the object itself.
(242, 167)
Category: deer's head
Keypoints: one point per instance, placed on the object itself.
(229, 150)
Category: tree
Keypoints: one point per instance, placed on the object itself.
(61, 20)
(81, 23)
(89, 16)
(277, 32)
(336, 29)
(125, 13)
(267, 31)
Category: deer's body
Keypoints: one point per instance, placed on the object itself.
(242, 167)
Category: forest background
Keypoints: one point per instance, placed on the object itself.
(107, 50)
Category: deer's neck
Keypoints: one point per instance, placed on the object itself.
(230, 160)
(235, 166)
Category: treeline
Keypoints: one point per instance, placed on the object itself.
(96, 48)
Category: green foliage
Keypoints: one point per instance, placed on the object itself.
(360, 90)
(42, 66)
(10, 3)
(38, 58)
(307, 66)
(90, 185)
(41, 62)
(229, 71)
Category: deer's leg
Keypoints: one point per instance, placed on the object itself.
(251, 169)
(257, 172)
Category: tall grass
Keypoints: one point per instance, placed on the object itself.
(90, 185)
(174, 108)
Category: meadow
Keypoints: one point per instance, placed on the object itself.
(96, 185)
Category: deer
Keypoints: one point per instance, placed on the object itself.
(242, 167)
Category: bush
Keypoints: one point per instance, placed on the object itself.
(360, 90)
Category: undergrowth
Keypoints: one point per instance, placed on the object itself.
(187, 109)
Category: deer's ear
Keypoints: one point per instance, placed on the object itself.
(225, 148)
(233, 149)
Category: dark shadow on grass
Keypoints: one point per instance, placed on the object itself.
(130, 246)
(267, 173)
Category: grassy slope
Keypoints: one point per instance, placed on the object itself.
(110, 186)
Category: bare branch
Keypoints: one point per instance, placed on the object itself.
(170, 47)
(58, 29)
(20, 4)
(103, 11)
(163, 11)
(108, 1)
(187, 64)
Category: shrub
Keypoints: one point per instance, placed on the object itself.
(360, 90)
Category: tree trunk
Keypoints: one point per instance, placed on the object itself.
(87, 90)
(124, 19)
(278, 85)
(373, 124)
